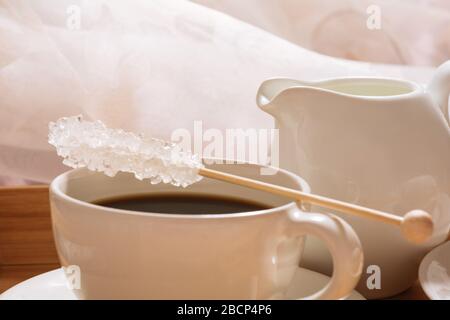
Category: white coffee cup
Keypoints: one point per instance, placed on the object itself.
(124, 254)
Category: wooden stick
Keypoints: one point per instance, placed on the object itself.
(416, 225)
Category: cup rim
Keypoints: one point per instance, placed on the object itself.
(65, 176)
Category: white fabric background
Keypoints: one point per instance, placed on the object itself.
(155, 66)
(413, 32)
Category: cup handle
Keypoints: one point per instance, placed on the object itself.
(343, 244)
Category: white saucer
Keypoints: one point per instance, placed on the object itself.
(434, 273)
(52, 286)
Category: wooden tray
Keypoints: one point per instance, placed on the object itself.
(26, 240)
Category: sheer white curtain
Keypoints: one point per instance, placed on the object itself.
(147, 66)
(412, 32)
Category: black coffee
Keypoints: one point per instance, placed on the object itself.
(182, 204)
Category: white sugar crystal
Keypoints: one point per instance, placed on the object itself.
(93, 145)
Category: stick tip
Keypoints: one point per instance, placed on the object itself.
(417, 226)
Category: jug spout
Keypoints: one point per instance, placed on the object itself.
(439, 88)
(272, 88)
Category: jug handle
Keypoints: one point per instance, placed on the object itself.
(439, 88)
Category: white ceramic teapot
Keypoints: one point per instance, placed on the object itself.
(382, 143)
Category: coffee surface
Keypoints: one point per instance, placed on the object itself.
(182, 204)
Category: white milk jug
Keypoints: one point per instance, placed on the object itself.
(381, 143)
